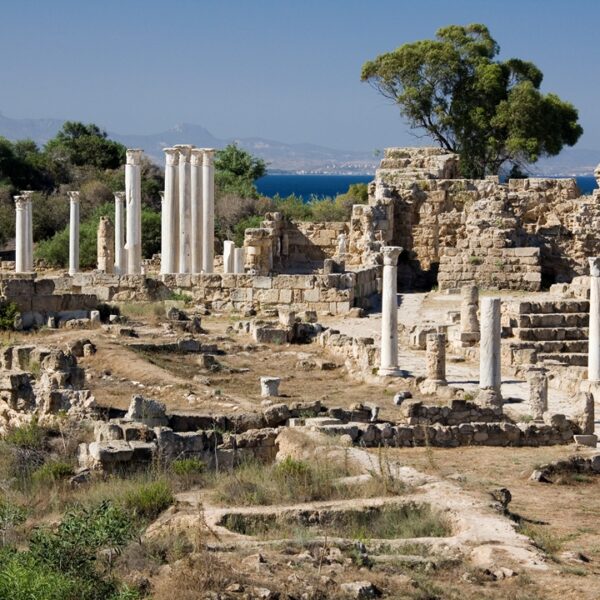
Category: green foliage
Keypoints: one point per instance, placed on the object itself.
(240, 227)
(292, 207)
(187, 466)
(11, 516)
(491, 112)
(81, 144)
(148, 500)
(30, 436)
(51, 472)
(150, 232)
(8, 312)
(236, 171)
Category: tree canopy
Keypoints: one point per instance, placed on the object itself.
(491, 112)
(236, 171)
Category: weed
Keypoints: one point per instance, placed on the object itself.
(51, 472)
(30, 436)
(148, 500)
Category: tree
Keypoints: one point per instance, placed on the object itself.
(236, 171)
(490, 112)
(81, 144)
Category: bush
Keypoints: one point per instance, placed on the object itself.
(51, 472)
(148, 500)
(187, 466)
(30, 436)
(8, 312)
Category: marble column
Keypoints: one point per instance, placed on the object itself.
(169, 258)
(238, 261)
(20, 234)
(120, 257)
(105, 244)
(73, 232)
(489, 346)
(28, 196)
(538, 393)
(469, 322)
(389, 312)
(208, 210)
(228, 256)
(185, 208)
(594, 324)
(197, 160)
(133, 197)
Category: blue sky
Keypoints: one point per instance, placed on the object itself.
(283, 70)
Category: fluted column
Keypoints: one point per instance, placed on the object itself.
(185, 208)
(196, 209)
(133, 197)
(20, 234)
(208, 210)
(73, 233)
(170, 214)
(389, 312)
(594, 324)
(120, 256)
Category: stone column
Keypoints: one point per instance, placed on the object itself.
(389, 312)
(185, 208)
(436, 358)
(469, 322)
(238, 260)
(538, 393)
(594, 325)
(169, 258)
(120, 257)
(342, 246)
(197, 209)
(105, 246)
(228, 250)
(74, 233)
(20, 234)
(133, 196)
(208, 210)
(489, 349)
(28, 197)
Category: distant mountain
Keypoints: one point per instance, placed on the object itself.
(279, 155)
(298, 158)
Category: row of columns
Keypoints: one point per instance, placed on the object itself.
(188, 204)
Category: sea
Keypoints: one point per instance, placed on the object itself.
(320, 186)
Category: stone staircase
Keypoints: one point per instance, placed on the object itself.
(553, 331)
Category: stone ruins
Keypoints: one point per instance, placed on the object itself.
(445, 313)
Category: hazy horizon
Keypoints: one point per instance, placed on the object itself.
(279, 70)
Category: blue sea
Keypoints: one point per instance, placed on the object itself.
(320, 186)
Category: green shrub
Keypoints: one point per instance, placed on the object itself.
(251, 222)
(290, 468)
(30, 436)
(148, 500)
(8, 312)
(51, 472)
(11, 516)
(187, 466)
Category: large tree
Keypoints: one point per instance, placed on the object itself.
(491, 112)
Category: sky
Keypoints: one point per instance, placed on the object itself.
(278, 69)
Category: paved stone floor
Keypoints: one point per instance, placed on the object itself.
(419, 308)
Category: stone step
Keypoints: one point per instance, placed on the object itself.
(571, 319)
(553, 346)
(539, 334)
(554, 306)
(573, 359)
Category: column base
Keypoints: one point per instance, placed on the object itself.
(389, 372)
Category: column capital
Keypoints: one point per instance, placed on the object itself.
(184, 151)
(208, 156)
(20, 202)
(119, 196)
(390, 255)
(594, 266)
(134, 156)
(27, 195)
(171, 156)
(197, 157)
(73, 196)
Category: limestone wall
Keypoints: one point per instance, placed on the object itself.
(309, 241)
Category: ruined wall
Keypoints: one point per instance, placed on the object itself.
(512, 235)
(313, 242)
